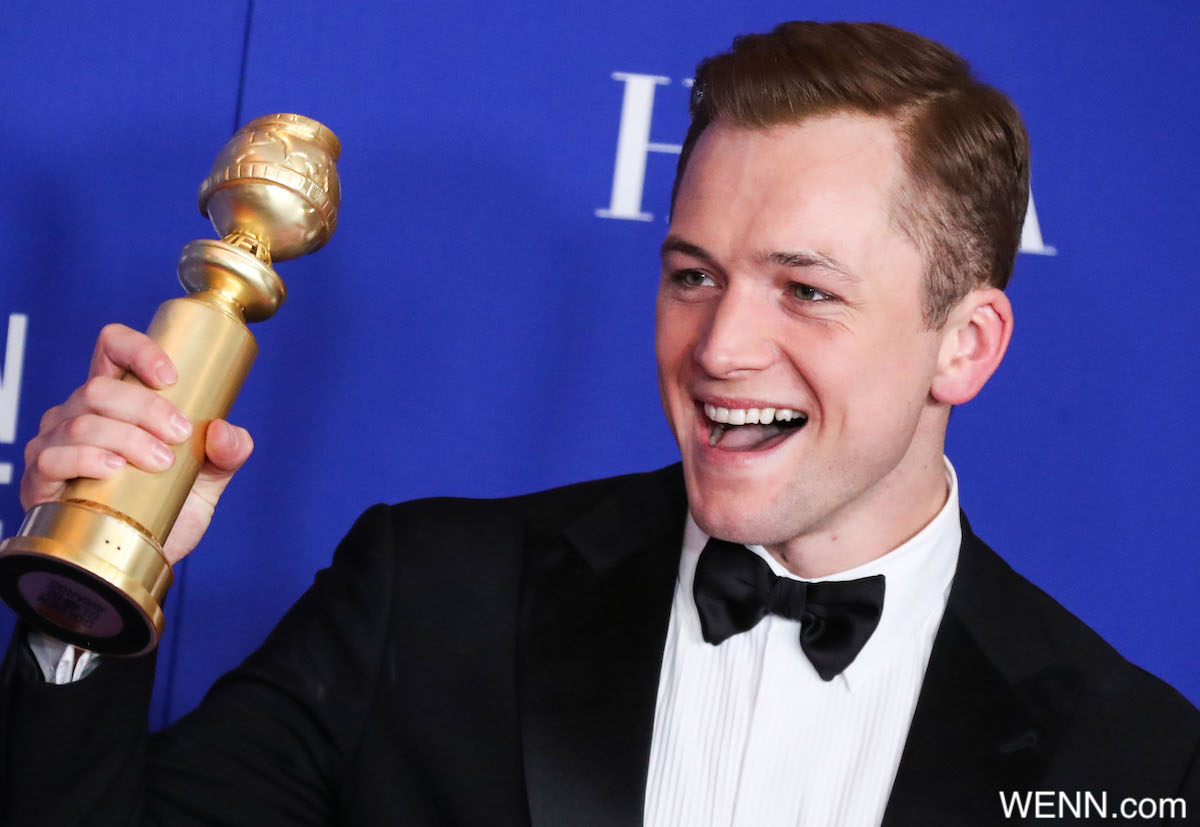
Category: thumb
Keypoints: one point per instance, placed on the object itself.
(227, 447)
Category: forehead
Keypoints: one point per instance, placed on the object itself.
(826, 183)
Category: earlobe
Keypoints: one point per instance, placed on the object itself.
(974, 340)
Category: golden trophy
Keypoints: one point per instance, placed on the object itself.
(89, 568)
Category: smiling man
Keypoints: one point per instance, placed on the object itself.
(807, 391)
(795, 627)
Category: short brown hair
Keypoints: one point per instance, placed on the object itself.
(964, 146)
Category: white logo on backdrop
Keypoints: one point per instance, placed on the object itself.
(10, 389)
(634, 148)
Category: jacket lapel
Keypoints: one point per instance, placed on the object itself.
(991, 707)
(596, 602)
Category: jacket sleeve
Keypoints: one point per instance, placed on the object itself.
(269, 743)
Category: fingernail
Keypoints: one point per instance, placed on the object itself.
(163, 456)
(114, 460)
(165, 373)
(180, 425)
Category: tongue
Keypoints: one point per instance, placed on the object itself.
(747, 437)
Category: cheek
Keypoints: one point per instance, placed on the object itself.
(672, 353)
(903, 374)
(673, 339)
(874, 383)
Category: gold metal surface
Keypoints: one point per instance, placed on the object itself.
(255, 290)
(276, 180)
(103, 544)
(273, 194)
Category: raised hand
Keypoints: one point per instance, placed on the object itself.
(106, 423)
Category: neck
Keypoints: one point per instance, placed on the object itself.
(889, 514)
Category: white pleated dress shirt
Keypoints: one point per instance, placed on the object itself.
(746, 734)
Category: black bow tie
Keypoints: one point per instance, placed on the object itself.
(735, 588)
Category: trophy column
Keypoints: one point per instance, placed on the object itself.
(89, 568)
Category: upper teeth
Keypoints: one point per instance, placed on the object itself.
(750, 416)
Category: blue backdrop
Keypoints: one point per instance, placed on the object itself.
(481, 323)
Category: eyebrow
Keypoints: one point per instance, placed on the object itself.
(675, 244)
(813, 258)
(788, 258)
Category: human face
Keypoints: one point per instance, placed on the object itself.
(786, 286)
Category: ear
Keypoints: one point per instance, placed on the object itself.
(974, 339)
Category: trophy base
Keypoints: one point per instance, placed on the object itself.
(83, 575)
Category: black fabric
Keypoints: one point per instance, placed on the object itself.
(734, 589)
(533, 702)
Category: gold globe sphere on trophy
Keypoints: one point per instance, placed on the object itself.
(89, 568)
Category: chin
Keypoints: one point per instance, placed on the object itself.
(739, 519)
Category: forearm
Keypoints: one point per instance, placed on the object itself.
(73, 753)
(269, 744)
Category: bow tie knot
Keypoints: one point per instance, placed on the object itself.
(788, 598)
(734, 589)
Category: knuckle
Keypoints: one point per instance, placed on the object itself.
(111, 331)
(32, 448)
(44, 464)
(92, 392)
(76, 430)
(83, 429)
(48, 417)
(26, 494)
(149, 349)
(143, 349)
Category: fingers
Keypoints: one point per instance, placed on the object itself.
(46, 478)
(106, 422)
(113, 399)
(123, 439)
(120, 349)
(86, 446)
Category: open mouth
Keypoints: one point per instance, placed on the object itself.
(751, 429)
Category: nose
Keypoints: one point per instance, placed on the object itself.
(737, 337)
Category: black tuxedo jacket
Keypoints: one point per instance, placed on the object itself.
(496, 663)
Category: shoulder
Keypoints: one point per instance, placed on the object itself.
(447, 574)
(551, 509)
(460, 528)
(1068, 638)
(1027, 632)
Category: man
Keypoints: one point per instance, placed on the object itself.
(847, 210)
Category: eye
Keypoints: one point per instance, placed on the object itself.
(808, 293)
(692, 278)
